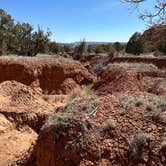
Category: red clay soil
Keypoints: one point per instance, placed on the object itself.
(47, 73)
(114, 79)
(102, 133)
(118, 78)
(15, 144)
(22, 105)
(124, 126)
(22, 113)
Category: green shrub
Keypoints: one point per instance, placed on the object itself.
(136, 44)
(80, 49)
(118, 46)
(19, 38)
(162, 45)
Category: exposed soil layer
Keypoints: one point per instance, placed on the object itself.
(124, 128)
(22, 113)
(49, 74)
(23, 105)
(121, 78)
(121, 121)
(15, 144)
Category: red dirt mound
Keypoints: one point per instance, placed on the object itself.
(118, 79)
(126, 77)
(10, 88)
(14, 144)
(22, 113)
(23, 105)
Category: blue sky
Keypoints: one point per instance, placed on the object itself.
(72, 20)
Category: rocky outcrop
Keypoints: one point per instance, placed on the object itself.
(154, 34)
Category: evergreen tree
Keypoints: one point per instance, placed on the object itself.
(80, 49)
(54, 47)
(6, 26)
(136, 44)
(162, 45)
(117, 46)
(40, 41)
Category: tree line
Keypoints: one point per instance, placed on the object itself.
(20, 38)
(137, 45)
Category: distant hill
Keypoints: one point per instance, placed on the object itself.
(91, 43)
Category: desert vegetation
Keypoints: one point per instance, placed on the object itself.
(21, 39)
(83, 103)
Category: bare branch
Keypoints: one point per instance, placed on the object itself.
(155, 16)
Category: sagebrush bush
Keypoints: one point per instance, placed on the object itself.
(109, 128)
(139, 144)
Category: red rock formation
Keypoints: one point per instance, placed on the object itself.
(155, 33)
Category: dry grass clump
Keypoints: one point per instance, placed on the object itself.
(84, 100)
(153, 86)
(156, 106)
(156, 103)
(109, 127)
(139, 147)
(127, 102)
(152, 103)
(144, 55)
(37, 60)
(85, 91)
(136, 65)
(88, 105)
(58, 120)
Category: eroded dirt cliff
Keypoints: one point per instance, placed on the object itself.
(50, 74)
